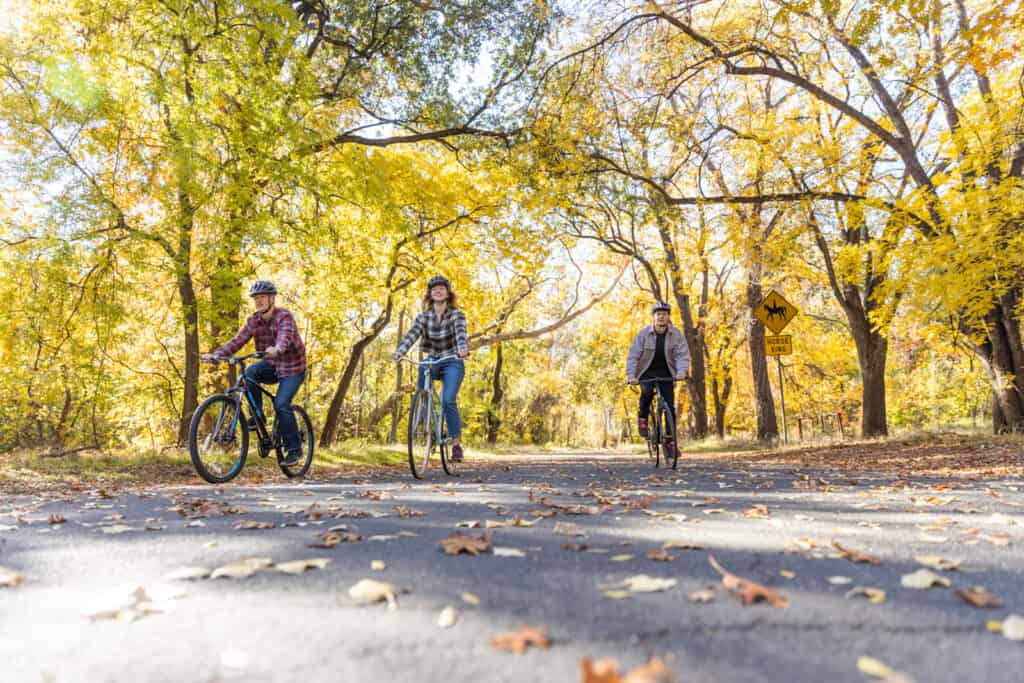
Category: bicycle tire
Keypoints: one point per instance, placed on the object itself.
(418, 438)
(654, 439)
(305, 427)
(229, 409)
(668, 437)
(450, 468)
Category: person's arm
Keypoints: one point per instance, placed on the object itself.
(410, 337)
(461, 336)
(682, 357)
(287, 333)
(237, 342)
(633, 358)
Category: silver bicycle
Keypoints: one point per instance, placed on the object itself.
(427, 431)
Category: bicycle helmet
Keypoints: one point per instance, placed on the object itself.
(661, 306)
(262, 287)
(439, 280)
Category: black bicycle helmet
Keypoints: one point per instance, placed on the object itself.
(439, 280)
(661, 306)
(262, 287)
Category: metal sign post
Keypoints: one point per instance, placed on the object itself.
(782, 401)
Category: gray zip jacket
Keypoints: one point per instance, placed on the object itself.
(641, 352)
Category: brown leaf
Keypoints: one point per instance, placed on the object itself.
(9, 578)
(519, 640)
(575, 547)
(314, 511)
(408, 512)
(56, 518)
(329, 539)
(459, 542)
(375, 495)
(757, 512)
(854, 555)
(747, 591)
(659, 555)
(607, 671)
(979, 597)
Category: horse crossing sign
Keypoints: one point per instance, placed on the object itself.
(775, 312)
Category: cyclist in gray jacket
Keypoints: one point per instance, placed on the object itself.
(658, 351)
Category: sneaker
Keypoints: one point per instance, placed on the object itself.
(670, 448)
(457, 453)
(641, 425)
(291, 459)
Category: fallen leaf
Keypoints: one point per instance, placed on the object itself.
(839, 580)
(470, 598)
(567, 529)
(9, 578)
(378, 565)
(874, 595)
(187, 574)
(607, 671)
(508, 552)
(922, 579)
(117, 529)
(56, 518)
(681, 545)
(642, 583)
(786, 574)
(368, 591)
(617, 594)
(243, 569)
(854, 555)
(702, 595)
(1013, 627)
(254, 524)
(447, 617)
(659, 555)
(519, 640)
(979, 597)
(405, 512)
(464, 543)
(870, 666)
(329, 539)
(469, 524)
(575, 547)
(621, 558)
(936, 562)
(748, 591)
(300, 566)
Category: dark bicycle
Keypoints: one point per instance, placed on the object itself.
(661, 433)
(218, 438)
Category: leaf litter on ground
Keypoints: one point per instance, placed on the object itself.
(522, 638)
(747, 591)
(607, 671)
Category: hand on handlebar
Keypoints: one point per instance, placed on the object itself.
(210, 358)
(396, 356)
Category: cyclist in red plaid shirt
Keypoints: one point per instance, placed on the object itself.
(277, 336)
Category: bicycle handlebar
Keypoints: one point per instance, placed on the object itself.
(427, 362)
(234, 360)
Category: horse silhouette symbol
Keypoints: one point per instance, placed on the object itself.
(775, 311)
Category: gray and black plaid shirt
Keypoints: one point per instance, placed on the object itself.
(442, 336)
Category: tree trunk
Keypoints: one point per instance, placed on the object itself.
(721, 401)
(190, 318)
(333, 419)
(872, 351)
(764, 405)
(997, 354)
(396, 408)
(497, 395)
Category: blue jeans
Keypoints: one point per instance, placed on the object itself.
(264, 373)
(450, 372)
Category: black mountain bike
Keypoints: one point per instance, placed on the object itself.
(661, 432)
(218, 438)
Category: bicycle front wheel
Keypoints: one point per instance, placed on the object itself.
(305, 427)
(218, 439)
(420, 436)
(652, 450)
(451, 468)
(668, 438)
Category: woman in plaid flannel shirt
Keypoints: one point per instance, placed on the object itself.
(277, 336)
(442, 327)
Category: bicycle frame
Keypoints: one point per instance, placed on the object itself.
(244, 387)
(433, 401)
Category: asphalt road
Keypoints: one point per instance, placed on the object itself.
(274, 626)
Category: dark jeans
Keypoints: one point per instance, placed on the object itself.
(450, 372)
(668, 393)
(264, 373)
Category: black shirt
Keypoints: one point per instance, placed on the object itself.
(659, 364)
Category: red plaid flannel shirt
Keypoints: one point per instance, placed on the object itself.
(279, 332)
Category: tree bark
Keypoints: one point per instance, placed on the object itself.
(395, 409)
(872, 351)
(764, 405)
(190, 317)
(497, 395)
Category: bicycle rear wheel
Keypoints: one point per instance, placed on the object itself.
(653, 451)
(420, 438)
(306, 440)
(668, 437)
(218, 439)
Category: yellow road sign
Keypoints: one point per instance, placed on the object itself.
(778, 345)
(775, 312)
